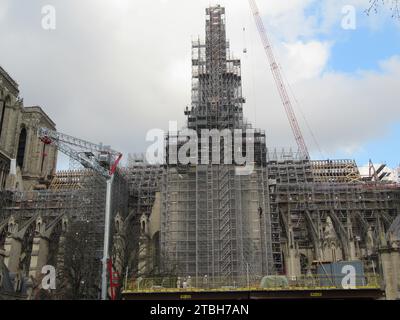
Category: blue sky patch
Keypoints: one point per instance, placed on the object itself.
(363, 49)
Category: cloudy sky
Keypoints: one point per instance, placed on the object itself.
(114, 69)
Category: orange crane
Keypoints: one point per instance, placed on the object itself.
(279, 81)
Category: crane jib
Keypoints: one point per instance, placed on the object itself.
(279, 81)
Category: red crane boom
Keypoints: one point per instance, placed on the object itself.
(279, 81)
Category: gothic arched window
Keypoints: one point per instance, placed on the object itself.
(2, 114)
(21, 148)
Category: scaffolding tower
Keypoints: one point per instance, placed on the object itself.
(73, 197)
(214, 221)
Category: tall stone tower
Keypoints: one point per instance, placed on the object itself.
(215, 222)
(25, 162)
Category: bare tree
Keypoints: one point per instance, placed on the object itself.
(375, 6)
(38, 293)
(124, 252)
(81, 271)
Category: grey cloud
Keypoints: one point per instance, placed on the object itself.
(112, 70)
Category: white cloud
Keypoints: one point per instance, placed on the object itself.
(3, 10)
(113, 70)
(347, 110)
(305, 60)
(344, 110)
(287, 19)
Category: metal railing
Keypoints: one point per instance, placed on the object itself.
(205, 283)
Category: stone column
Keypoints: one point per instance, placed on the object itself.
(352, 251)
(293, 257)
(294, 268)
(144, 251)
(351, 240)
(2, 256)
(389, 274)
(40, 248)
(11, 179)
(13, 243)
(40, 252)
(61, 250)
(395, 255)
(12, 248)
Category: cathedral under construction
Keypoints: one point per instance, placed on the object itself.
(289, 222)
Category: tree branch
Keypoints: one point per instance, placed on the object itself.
(375, 5)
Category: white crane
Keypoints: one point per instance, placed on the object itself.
(99, 158)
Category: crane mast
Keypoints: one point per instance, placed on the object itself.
(104, 161)
(276, 72)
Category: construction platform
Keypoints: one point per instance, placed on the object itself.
(245, 294)
(316, 287)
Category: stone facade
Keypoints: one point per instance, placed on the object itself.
(28, 162)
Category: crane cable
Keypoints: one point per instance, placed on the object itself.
(303, 115)
(245, 51)
(248, 54)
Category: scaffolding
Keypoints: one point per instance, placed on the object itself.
(335, 171)
(217, 223)
(77, 197)
(306, 194)
(214, 221)
(216, 79)
(143, 181)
